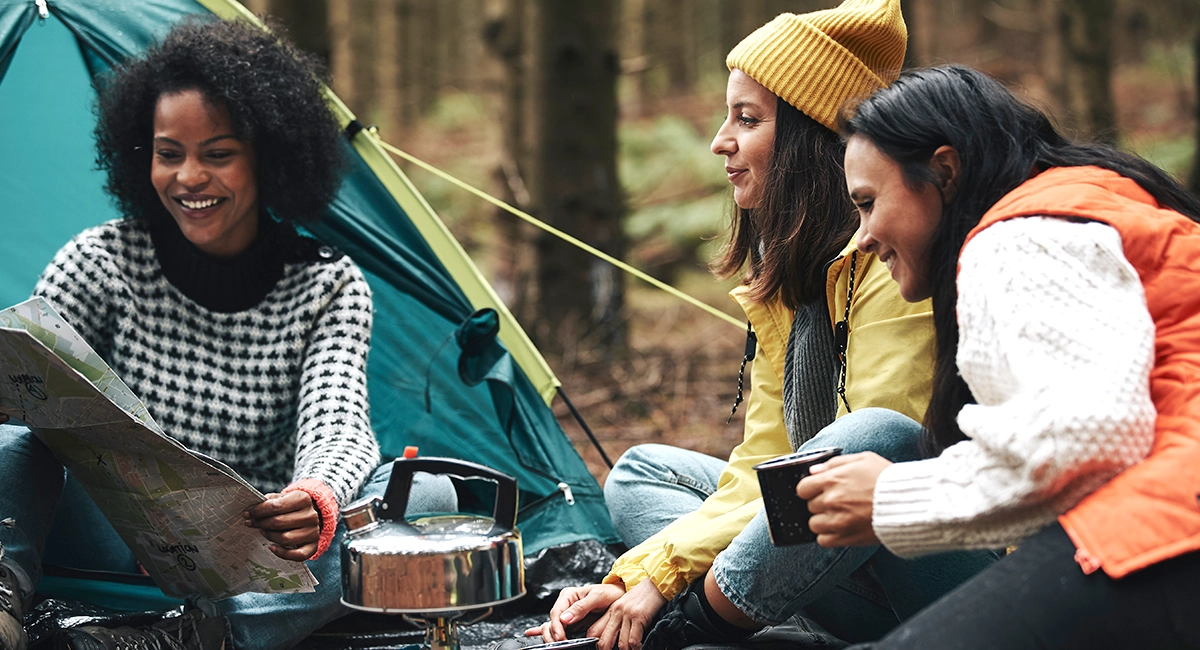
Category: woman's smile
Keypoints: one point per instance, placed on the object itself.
(898, 218)
(747, 137)
(204, 173)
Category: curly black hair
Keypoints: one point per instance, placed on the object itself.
(272, 91)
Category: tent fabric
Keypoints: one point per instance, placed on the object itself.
(425, 286)
(435, 233)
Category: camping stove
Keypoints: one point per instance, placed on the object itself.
(441, 630)
(438, 572)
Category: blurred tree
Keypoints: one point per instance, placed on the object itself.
(571, 127)
(922, 21)
(1194, 182)
(387, 67)
(306, 21)
(739, 18)
(340, 15)
(463, 32)
(418, 72)
(707, 42)
(668, 42)
(514, 272)
(634, 58)
(1051, 56)
(1086, 28)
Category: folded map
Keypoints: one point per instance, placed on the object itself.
(178, 510)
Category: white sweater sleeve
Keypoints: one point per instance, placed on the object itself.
(1056, 344)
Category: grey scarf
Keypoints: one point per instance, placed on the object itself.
(810, 374)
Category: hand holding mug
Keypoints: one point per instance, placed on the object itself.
(840, 494)
(787, 515)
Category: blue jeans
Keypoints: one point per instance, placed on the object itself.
(32, 482)
(857, 593)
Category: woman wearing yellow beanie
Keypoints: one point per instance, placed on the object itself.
(831, 334)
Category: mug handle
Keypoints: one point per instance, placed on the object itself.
(395, 499)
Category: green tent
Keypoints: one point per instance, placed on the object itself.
(488, 404)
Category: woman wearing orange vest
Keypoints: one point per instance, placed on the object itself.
(1066, 410)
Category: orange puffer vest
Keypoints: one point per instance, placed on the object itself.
(1151, 511)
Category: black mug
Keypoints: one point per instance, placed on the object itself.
(787, 514)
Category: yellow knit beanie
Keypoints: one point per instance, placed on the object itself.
(817, 61)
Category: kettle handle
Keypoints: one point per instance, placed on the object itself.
(395, 499)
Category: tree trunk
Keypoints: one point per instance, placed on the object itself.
(1087, 40)
(572, 126)
(972, 31)
(387, 69)
(444, 45)
(420, 53)
(341, 53)
(259, 7)
(1194, 182)
(634, 60)
(923, 32)
(306, 20)
(467, 25)
(513, 277)
(1052, 61)
(671, 39)
(738, 19)
(710, 52)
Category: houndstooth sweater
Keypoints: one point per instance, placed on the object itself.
(269, 378)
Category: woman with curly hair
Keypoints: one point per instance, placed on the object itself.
(247, 340)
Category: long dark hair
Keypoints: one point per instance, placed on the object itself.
(1001, 142)
(803, 220)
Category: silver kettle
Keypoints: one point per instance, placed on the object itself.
(437, 565)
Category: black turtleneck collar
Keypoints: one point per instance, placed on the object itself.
(223, 285)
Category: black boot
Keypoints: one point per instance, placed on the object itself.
(689, 620)
(12, 610)
(517, 643)
(200, 627)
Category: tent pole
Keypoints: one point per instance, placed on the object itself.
(586, 428)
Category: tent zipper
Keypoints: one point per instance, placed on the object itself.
(566, 490)
(43, 10)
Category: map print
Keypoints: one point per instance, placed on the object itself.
(179, 511)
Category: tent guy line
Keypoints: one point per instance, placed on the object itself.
(641, 275)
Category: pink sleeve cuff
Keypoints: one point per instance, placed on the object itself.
(327, 507)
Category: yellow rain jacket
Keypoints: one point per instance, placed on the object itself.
(891, 354)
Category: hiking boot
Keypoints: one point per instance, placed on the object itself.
(12, 603)
(536, 643)
(517, 643)
(686, 621)
(12, 610)
(199, 627)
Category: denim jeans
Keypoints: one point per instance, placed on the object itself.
(32, 481)
(856, 593)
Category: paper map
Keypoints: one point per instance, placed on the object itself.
(178, 510)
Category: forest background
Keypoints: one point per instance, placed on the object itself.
(596, 116)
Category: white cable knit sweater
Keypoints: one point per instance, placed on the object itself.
(1056, 344)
